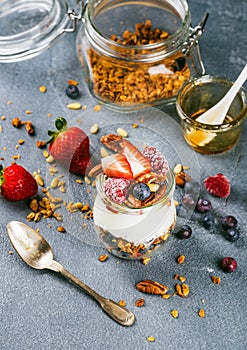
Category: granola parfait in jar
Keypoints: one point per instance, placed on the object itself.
(134, 211)
(137, 53)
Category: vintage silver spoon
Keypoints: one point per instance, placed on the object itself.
(36, 252)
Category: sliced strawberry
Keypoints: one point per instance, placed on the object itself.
(139, 164)
(218, 185)
(117, 165)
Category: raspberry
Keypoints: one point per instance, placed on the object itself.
(157, 160)
(115, 189)
(218, 185)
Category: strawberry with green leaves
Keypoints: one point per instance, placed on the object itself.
(70, 147)
(16, 183)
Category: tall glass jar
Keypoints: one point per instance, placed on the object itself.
(134, 53)
(135, 233)
(138, 52)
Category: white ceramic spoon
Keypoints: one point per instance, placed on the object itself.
(216, 114)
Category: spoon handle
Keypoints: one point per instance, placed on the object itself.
(118, 313)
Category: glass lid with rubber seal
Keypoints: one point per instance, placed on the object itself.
(28, 27)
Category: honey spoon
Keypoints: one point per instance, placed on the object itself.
(37, 253)
(216, 114)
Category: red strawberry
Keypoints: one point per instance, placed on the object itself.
(17, 183)
(70, 147)
(139, 164)
(218, 185)
(116, 165)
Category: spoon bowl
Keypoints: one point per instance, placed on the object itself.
(37, 253)
(30, 245)
(217, 114)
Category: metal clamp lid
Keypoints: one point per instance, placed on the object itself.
(76, 17)
(192, 44)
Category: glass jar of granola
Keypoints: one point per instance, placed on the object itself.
(131, 231)
(133, 52)
(137, 53)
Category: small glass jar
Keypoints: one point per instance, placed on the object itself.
(138, 52)
(134, 233)
(198, 96)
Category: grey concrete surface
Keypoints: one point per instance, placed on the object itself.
(39, 310)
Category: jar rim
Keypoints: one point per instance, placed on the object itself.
(122, 208)
(29, 27)
(207, 79)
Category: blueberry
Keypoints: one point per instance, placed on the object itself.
(141, 191)
(203, 205)
(188, 201)
(192, 187)
(72, 91)
(178, 207)
(229, 264)
(123, 254)
(208, 221)
(179, 64)
(185, 232)
(232, 234)
(229, 221)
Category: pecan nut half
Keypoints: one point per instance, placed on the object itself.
(151, 287)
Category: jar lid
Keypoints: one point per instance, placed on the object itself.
(27, 27)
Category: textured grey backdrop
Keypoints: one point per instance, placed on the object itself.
(39, 310)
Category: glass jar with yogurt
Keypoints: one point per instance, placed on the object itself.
(135, 232)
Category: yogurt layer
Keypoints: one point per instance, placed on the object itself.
(142, 227)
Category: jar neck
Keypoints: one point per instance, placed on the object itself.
(145, 53)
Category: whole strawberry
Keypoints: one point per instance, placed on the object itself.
(16, 183)
(70, 147)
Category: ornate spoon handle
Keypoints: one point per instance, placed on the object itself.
(118, 313)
